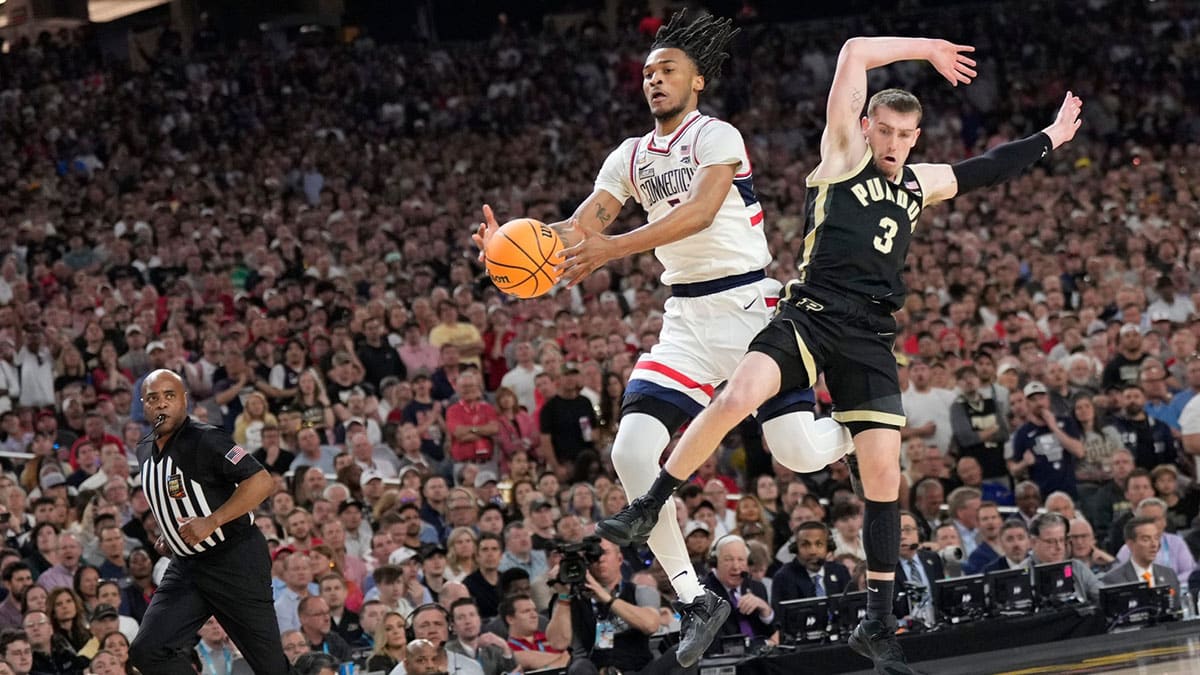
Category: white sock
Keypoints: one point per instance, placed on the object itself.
(639, 443)
(804, 444)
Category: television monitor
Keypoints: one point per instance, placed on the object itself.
(804, 620)
(1128, 604)
(960, 599)
(1010, 590)
(851, 608)
(1054, 584)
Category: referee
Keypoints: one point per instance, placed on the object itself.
(201, 486)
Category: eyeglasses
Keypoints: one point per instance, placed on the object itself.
(910, 528)
(1057, 541)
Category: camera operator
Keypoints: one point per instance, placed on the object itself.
(611, 619)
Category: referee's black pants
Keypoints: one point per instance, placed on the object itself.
(233, 585)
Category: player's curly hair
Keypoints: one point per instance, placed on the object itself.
(703, 40)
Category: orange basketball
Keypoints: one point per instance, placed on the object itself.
(521, 258)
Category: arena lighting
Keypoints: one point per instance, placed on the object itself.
(103, 11)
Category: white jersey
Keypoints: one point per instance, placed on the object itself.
(657, 172)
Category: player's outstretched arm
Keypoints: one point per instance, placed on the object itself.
(944, 181)
(709, 188)
(843, 139)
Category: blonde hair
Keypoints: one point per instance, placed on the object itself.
(895, 99)
(381, 645)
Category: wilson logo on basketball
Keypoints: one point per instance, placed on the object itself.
(521, 258)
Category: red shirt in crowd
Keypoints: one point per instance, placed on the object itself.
(474, 414)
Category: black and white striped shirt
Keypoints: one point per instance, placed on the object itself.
(191, 477)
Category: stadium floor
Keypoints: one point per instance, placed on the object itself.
(1172, 649)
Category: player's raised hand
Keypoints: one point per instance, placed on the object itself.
(486, 229)
(593, 250)
(952, 62)
(1067, 122)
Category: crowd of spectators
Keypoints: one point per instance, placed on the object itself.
(288, 229)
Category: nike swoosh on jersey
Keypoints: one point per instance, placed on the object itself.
(750, 304)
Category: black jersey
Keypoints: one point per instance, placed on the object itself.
(191, 477)
(857, 233)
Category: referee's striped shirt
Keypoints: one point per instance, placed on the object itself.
(191, 477)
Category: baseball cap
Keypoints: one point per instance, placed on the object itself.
(105, 611)
(1005, 367)
(350, 503)
(52, 479)
(282, 550)
(132, 328)
(401, 556)
(157, 344)
(1035, 387)
(1160, 315)
(695, 526)
(1130, 328)
(483, 478)
(368, 476)
(411, 468)
(429, 550)
(539, 504)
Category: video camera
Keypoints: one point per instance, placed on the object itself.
(576, 559)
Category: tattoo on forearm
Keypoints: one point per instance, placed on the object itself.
(602, 214)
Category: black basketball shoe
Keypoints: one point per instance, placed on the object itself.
(701, 620)
(876, 640)
(632, 525)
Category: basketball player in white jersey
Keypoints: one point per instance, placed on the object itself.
(693, 177)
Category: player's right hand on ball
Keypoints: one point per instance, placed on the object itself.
(486, 230)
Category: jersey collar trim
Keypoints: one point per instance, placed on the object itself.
(692, 117)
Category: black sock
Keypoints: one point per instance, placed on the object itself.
(879, 598)
(664, 486)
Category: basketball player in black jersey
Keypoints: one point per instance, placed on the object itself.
(836, 317)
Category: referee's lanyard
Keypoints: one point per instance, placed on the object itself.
(212, 668)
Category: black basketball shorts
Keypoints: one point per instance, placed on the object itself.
(815, 331)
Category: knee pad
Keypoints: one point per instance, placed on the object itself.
(636, 450)
(805, 444)
(881, 535)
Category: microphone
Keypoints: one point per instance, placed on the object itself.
(910, 547)
(159, 420)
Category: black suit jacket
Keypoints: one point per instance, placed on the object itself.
(793, 581)
(732, 625)
(931, 565)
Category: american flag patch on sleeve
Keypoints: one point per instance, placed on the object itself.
(235, 454)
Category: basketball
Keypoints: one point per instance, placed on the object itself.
(521, 258)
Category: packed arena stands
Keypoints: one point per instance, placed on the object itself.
(287, 227)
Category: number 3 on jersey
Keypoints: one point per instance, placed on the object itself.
(883, 243)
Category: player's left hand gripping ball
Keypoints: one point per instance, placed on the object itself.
(592, 252)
